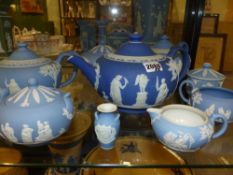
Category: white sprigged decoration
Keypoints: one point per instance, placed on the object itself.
(37, 93)
(66, 113)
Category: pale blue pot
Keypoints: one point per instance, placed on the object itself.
(211, 100)
(34, 115)
(23, 64)
(107, 125)
(184, 128)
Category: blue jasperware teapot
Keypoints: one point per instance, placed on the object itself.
(23, 64)
(134, 77)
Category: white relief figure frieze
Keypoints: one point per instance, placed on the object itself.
(116, 87)
(67, 114)
(206, 132)
(175, 66)
(8, 132)
(26, 134)
(142, 81)
(197, 98)
(97, 77)
(180, 140)
(162, 89)
(106, 134)
(51, 70)
(44, 131)
(12, 85)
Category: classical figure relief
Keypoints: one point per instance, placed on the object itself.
(142, 81)
(44, 131)
(106, 134)
(162, 90)
(12, 86)
(116, 87)
(27, 134)
(8, 132)
(97, 77)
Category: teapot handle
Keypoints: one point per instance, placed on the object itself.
(183, 48)
(72, 76)
(224, 126)
(181, 92)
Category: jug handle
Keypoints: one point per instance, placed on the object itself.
(72, 76)
(224, 126)
(183, 48)
(181, 87)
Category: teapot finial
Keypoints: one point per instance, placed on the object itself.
(135, 37)
(207, 66)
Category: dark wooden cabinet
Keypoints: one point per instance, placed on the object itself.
(73, 11)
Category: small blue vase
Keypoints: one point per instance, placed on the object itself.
(107, 125)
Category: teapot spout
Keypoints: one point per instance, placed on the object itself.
(87, 69)
(154, 113)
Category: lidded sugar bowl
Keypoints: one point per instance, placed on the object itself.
(23, 64)
(34, 115)
(205, 77)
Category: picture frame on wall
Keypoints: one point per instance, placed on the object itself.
(211, 49)
(32, 6)
(209, 23)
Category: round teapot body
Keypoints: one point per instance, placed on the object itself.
(184, 128)
(138, 84)
(16, 78)
(134, 77)
(35, 116)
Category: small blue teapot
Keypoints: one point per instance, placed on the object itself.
(23, 64)
(134, 77)
(35, 114)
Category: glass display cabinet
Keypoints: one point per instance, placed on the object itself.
(137, 150)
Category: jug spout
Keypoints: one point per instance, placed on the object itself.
(87, 69)
(154, 113)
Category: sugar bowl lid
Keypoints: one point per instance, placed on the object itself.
(23, 57)
(206, 73)
(33, 95)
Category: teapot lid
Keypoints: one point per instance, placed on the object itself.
(33, 95)
(206, 73)
(163, 43)
(135, 47)
(23, 57)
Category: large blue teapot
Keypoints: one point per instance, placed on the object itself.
(23, 64)
(134, 77)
